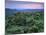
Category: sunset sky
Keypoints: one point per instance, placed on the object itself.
(24, 5)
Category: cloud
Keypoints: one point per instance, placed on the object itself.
(29, 6)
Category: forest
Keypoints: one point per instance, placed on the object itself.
(24, 22)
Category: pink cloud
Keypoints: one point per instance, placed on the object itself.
(31, 6)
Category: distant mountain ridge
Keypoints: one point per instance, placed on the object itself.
(12, 11)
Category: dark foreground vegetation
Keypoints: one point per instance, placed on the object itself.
(25, 22)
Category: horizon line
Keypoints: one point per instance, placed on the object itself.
(20, 8)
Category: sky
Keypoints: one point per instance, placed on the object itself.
(12, 4)
(28, 0)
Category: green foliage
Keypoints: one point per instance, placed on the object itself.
(22, 22)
